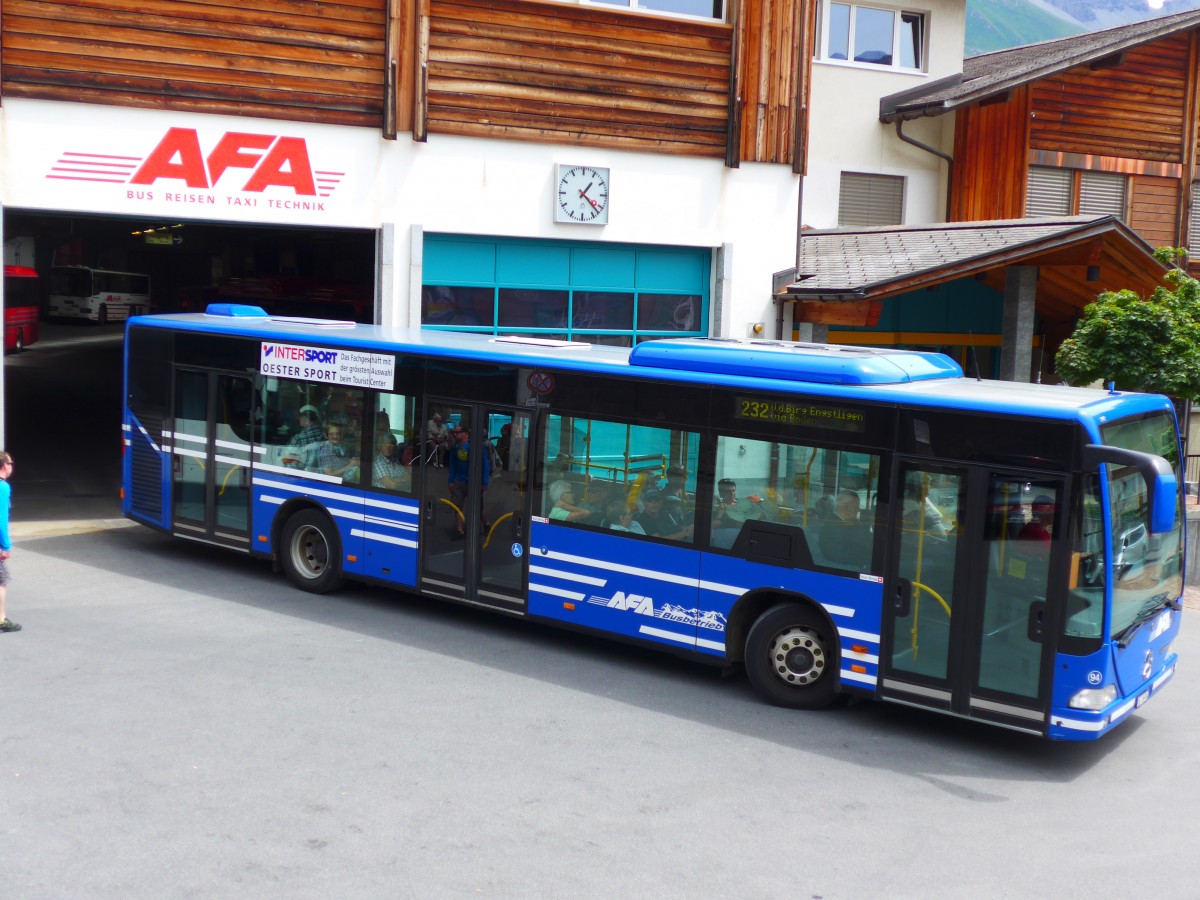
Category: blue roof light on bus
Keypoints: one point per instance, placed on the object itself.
(235, 310)
(815, 363)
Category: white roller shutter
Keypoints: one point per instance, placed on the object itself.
(1048, 192)
(870, 200)
(1102, 194)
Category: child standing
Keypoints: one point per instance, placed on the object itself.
(6, 466)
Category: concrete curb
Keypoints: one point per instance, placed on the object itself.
(63, 527)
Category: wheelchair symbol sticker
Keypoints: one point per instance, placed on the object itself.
(517, 550)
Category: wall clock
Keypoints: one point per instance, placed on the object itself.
(581, 195)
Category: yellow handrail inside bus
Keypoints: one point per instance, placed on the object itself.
(487, 540)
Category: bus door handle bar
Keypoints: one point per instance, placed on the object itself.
(903, 597)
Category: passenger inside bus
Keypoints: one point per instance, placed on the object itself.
(846, 538)
(386, 470)
(338, 456)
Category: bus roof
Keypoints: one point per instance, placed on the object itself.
(861, 373)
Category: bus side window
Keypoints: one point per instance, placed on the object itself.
(827, 493)
(619, 477)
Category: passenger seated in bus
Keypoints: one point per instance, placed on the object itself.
(680, 503)
(301, 449)
(564, 509)
(619, 517)
(386, 470)
(334, 457)
(655, 520)
(595, 500)
(846, 538)
(729, 509)
(921, 513)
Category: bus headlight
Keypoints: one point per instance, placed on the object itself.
(1094, 698)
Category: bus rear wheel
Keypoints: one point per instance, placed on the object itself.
(791, 657)
(19, 342)
(311, 552)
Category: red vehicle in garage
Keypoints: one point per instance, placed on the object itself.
(20, 307)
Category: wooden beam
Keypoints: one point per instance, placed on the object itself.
(838, 312)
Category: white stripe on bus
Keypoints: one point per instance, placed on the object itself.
(557, 592)
(383, 538)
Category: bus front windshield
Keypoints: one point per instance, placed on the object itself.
(1147, 569)
(71, 282)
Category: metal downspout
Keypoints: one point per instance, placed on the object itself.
(936, 152)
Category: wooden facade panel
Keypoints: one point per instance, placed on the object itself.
(306, 60)
(774, 63)
(988, 177)
(527, 70)
(1104, 111)
(1154, 209)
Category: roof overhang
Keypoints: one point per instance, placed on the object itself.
(845, 274)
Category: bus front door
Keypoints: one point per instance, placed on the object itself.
(210, 457)
(966, 614)
(475, 506)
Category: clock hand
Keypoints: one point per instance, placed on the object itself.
(583, 194)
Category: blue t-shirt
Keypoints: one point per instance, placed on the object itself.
(5, 503)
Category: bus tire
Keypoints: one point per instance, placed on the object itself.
(19, 342)
(102, 315)
(311, 552)
(791, 657)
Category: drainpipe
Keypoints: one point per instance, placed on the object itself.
(936, 152)
(782, 304)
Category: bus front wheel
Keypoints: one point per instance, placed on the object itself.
(791, 657)
(102, 315)
(311, 552)
(19, 342)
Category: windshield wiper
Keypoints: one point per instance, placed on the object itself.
(1153, 606)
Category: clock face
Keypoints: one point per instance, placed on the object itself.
(581, 195)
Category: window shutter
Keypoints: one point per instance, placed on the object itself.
(1102, 194)
(1048, 192)
(870, 200)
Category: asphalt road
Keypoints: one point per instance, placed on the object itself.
(179, 722)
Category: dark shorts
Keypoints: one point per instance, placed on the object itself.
(3, 572)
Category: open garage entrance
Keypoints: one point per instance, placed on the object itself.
(288, 270)
(62, 396)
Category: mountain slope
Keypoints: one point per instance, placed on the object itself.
(999, 24)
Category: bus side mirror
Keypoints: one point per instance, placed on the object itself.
(1155, 471)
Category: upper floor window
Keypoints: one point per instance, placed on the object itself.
(867, 201)
(874, 36)
(1064, 192)
(702, 9)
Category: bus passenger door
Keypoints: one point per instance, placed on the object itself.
(210, 457)
(475, 508)
(967, 600)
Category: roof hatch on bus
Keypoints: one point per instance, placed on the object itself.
(817, 363)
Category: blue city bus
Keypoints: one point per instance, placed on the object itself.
(837, 521)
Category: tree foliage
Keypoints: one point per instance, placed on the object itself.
(1150, 344)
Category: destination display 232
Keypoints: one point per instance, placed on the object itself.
(800, 413)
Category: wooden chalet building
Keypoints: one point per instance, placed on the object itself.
(1093, 139)
(441, 129)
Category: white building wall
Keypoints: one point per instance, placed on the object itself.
(82, 158)
(847, 136)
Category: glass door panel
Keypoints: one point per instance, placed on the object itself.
(926, 572)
